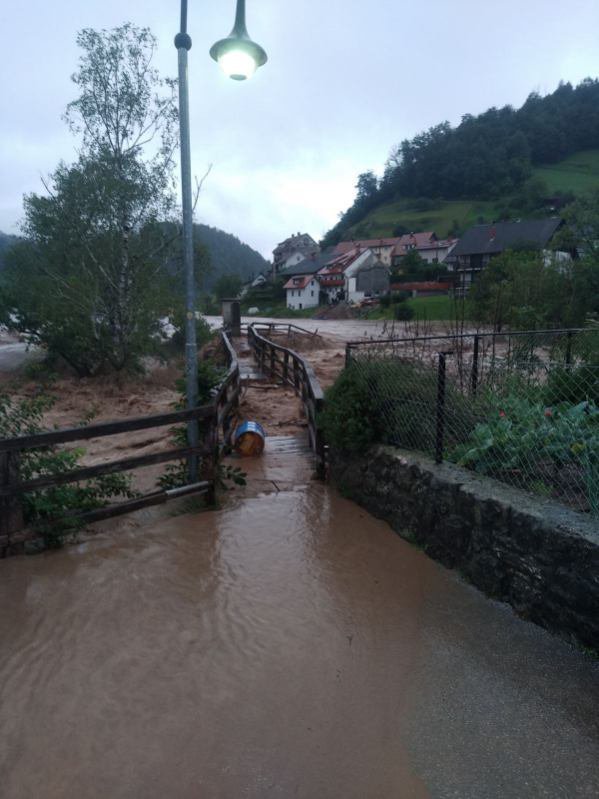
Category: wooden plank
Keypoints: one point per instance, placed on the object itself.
(89, 472)
(105, 429)
(130, 505)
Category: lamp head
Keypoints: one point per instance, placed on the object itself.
(238, 56)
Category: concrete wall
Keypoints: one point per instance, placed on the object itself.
(537, 555)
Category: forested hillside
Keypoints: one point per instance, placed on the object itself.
(501, 156)
(227, 254)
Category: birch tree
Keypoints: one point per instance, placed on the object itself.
(90, 280)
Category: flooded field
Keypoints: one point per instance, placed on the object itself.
(289, 645)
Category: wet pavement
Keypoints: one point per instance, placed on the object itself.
(288, 645)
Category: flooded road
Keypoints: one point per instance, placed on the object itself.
(289, 645)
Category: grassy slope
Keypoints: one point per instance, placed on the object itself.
(577, 173)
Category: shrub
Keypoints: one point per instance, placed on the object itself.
(403, 313)
(572, 385)
(42, 508)
(391, 401)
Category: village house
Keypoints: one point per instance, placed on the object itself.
(292, 251)
(302, 288)
(481, 243)
(381, 248)
(354, 276)
(427, 245)
(390, 251)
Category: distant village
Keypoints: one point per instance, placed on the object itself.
(361, 271)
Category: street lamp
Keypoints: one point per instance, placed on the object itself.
(239, 58)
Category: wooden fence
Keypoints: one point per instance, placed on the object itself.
(283, 363)
(216, 426)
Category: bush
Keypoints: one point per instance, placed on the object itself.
(347, 420)
(572, 385)
(42, 508)
(389, 401)
(403, 313)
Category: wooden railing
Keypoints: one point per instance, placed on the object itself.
(283, 363)
(215, 419)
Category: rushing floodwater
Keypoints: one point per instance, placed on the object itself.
(288, 646)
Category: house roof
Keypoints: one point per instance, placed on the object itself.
(308, 266)
(346, 246)
(298, 282)
(342, 261)
(491, 239)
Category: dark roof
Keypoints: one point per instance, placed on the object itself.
(309, 266)
(490, 239)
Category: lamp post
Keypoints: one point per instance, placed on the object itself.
(239, 58)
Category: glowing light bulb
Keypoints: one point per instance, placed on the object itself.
(237, 64)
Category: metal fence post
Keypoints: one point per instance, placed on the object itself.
(569, 348)
(440, 428)
(347, 355)
(474, 374)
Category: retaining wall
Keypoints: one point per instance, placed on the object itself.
(537, 555)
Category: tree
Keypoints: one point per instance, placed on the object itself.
(90, 282)
(524, 290)
(228, 287)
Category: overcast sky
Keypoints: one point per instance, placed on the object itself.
(346, 79)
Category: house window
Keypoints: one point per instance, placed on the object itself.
(312, 293)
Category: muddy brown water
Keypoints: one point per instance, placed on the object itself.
(289, 645)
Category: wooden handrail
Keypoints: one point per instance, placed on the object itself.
(296, 372)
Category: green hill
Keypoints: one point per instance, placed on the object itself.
(503, 163)
(577, 173)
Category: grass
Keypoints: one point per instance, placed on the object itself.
(382, 221)
(577, 173)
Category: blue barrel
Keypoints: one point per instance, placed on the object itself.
(248, 439)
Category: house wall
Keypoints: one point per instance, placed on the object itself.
(373, 280)
(303, 298)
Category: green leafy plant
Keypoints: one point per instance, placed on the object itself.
(528, 443)
(48, 509)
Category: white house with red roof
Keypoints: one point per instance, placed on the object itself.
(302, 292)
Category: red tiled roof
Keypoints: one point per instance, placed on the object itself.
(299, 282)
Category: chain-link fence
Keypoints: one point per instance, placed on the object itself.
(521, 407)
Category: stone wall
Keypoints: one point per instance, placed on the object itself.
(537, 555)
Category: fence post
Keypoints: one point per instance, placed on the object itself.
(11, 509)
(474, 375)
(272, 361)
(569, 348)
(286, 366)
(440, 428)
(347, 356)
(210, 461)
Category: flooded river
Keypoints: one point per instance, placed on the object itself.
(289, 645)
